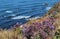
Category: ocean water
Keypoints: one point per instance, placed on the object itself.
(13, 11)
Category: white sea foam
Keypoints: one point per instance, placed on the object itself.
(33, 18)
(48, 8)
(9, 11)
(20, 17)
(10, 15)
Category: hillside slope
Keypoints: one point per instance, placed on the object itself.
(50, 22)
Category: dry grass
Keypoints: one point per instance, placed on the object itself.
(11, 34)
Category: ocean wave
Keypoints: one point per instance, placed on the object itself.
(48, 8)
(20, 17)
(33, 18)
(9, 11)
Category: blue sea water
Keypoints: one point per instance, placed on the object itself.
(13, 11)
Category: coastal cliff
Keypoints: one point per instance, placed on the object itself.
(50, 22)
(41, 28)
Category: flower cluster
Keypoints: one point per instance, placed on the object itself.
(43, 28)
